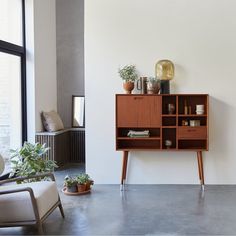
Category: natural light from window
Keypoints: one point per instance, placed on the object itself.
(11, 21)
(10, 103)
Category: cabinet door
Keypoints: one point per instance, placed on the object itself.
(138, 111)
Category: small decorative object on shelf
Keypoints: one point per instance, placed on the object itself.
(136, 134)
(129, 75)
(168, 143)
(171, 108)
(142, 85)
(200, 109)
(185, 107)
(194, 123)
(153, 85)
(165, 70)
(189, 110)
(184, 123)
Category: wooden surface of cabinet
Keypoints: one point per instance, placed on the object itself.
(141, 112)
(138, 111)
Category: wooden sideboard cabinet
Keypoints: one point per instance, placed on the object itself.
(185, 126)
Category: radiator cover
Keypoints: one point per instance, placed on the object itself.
(65, 147)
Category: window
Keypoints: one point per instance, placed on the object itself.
(13, 125)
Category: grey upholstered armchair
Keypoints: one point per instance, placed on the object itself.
(28, 203)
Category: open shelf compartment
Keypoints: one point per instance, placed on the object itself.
(193, 144)
(166, 100)
(169, 134)
(136, 144)
(154, 132)
(191, 101)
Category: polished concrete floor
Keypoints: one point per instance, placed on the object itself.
(141, 210)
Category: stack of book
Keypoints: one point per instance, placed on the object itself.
(138, 134)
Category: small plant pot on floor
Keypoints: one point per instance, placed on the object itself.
(81, 187)
(87, 186)
(72, 189)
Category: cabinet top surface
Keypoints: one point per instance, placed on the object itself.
(177, 94)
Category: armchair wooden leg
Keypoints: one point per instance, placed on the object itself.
(40, 228)
(61, 210)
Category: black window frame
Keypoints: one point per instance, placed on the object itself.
(17, 50)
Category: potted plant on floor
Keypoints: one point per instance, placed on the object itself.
(31, 159)
(129, 75)
(84, 182)
(71, 184)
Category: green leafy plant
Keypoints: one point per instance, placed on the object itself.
(84, 179)
(31, 159)
(153, 79)
(70, 181)
(128, 73)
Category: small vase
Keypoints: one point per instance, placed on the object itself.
(153, 87)
(128, 87)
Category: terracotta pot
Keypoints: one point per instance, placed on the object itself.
(128, 87)
(87, 186)
(81, 187)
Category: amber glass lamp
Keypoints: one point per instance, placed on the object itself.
(165, 70)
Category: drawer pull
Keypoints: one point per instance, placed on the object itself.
(191, 130)
(138, 97)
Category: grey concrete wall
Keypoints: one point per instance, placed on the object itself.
(70, 55)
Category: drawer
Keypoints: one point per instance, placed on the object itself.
(192, 132)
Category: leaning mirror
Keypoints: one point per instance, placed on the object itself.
(78, 105)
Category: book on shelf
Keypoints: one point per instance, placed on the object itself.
(141, 134)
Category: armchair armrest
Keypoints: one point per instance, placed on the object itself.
(49, 174)
(25, 189)
(32, 198)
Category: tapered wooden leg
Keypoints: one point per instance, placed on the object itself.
(200, 168)
(40, 228)
(61, 210)
(124, 168)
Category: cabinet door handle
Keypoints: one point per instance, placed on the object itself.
(191, 130)
(138, 97)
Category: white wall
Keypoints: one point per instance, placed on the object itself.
(199, 37)
(41, 61)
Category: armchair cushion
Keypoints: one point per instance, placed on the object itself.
(18, 206)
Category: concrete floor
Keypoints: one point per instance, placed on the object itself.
(142, 210)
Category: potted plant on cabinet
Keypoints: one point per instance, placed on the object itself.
(129, 75)
(71, 184)
(153, 85)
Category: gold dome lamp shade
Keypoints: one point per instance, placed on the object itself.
(165, 71)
